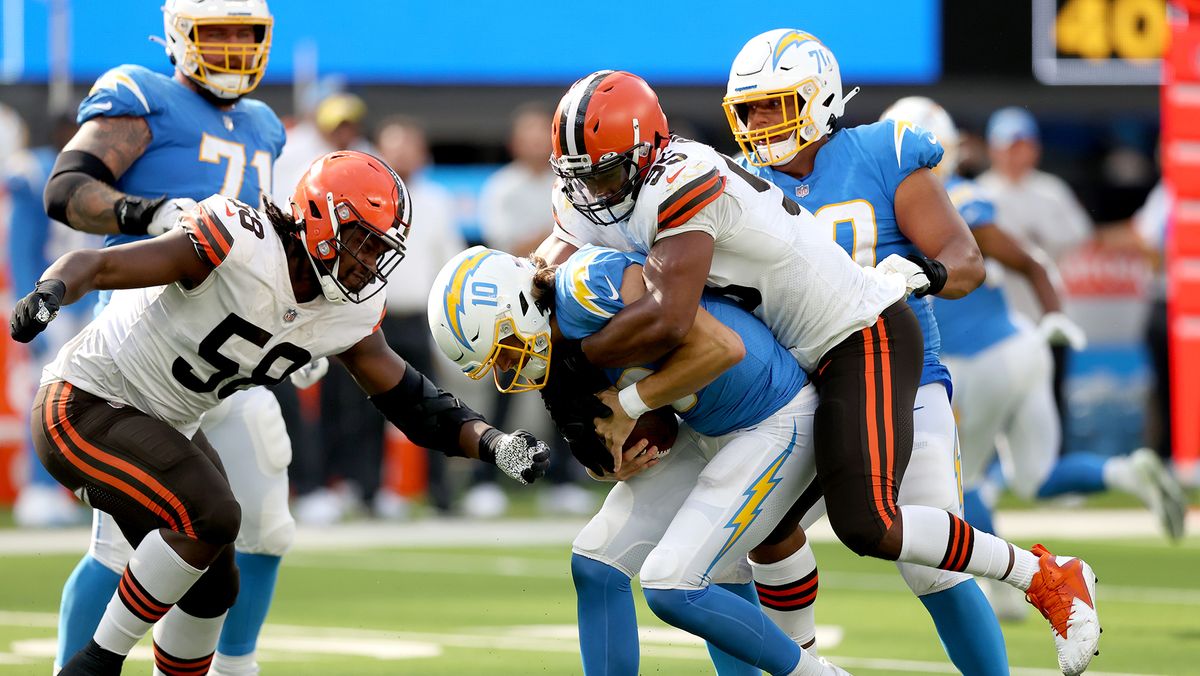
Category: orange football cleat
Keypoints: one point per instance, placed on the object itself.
(1064, 592)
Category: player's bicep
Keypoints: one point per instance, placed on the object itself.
(161, 260)
(926, 216)
(373, 364)
(117, 141)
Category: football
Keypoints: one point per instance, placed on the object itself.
(659, 427)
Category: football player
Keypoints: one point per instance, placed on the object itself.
(149, 146)
(232, 299)
(1003, 369)
(683, 521)
(871, 189)
(702, 218)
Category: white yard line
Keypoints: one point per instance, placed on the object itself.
(1020, 526)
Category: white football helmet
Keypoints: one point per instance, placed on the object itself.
(483, 317)
(242, 64)
(795, 71)
(931, 117)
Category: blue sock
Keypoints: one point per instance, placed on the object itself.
(968, 628)
(1074, 473)
(608, 638)
(84, 598)
(730, 622)
(726, 664)
(976, 512)
(256, 586)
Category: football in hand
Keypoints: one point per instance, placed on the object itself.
(659, 427)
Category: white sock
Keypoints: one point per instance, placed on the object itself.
(811, 665)
(234, 665)
(155, 579)
(934, 537)
(185, 643)
(1119, 474)
(787, 591)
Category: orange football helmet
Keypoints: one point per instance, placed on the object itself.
(350, 202)
(606, 132)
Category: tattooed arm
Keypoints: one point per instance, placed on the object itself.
(118, 142)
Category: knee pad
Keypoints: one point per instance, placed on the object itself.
(216, 590)
(267, 525)
(923, 580)
(662, 569)
(108, 545)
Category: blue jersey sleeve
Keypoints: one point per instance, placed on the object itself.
(972, 203)
(124, 91)
(587, 289)
(909, 148)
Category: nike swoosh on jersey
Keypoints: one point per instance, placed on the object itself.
(106, 105)
(672, 177)
(614, 295)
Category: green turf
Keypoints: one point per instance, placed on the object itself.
(469, 601)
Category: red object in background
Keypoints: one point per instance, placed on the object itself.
(405, 465)
(1180, 97)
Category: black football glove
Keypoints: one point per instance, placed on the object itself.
(520, 454)
(570, 397)
(34, 312)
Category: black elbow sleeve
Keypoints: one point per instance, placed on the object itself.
(72, 169)
(427, 415)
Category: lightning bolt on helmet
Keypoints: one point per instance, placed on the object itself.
(794, 70)
(341, 191)
(606, 133)
(483, 317)
(240, 66)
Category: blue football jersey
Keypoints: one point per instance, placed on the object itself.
(980, 319)
(587, 295)
(852, 190)
(197, 149)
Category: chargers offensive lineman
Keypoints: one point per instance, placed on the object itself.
(1003, 371)
(683, 522)
(871, 188)
(701, 218)
(232, 299)
(144, 136)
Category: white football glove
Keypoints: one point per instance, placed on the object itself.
(915, 280)
(166, 216)
(1058, 329)
(306, 376)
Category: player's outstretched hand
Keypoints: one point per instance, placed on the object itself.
(33, 312)
(915, 280)
(167, 215)
(308, 375)
(520, 455)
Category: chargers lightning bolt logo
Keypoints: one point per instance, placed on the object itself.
(580, 276)
(792, 38)
(456, 290)
(756, 494)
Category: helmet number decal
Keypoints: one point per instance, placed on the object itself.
(484, 293)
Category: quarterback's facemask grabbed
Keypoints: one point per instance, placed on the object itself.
(355, 214)
(221, 45)
(606, 133)
(784, 93)
(483, 317)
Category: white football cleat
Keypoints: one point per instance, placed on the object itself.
(1064, 592)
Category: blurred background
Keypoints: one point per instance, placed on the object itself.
(450, 96)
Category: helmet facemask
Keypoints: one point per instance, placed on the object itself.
(763, 147)
(605, 191)
(227, 70)
(362, 243)
(518, 362)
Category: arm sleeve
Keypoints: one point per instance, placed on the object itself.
(121, 92)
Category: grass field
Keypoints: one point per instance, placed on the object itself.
(510, 610)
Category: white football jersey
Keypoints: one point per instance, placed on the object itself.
(175, 353)
(770, 253)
